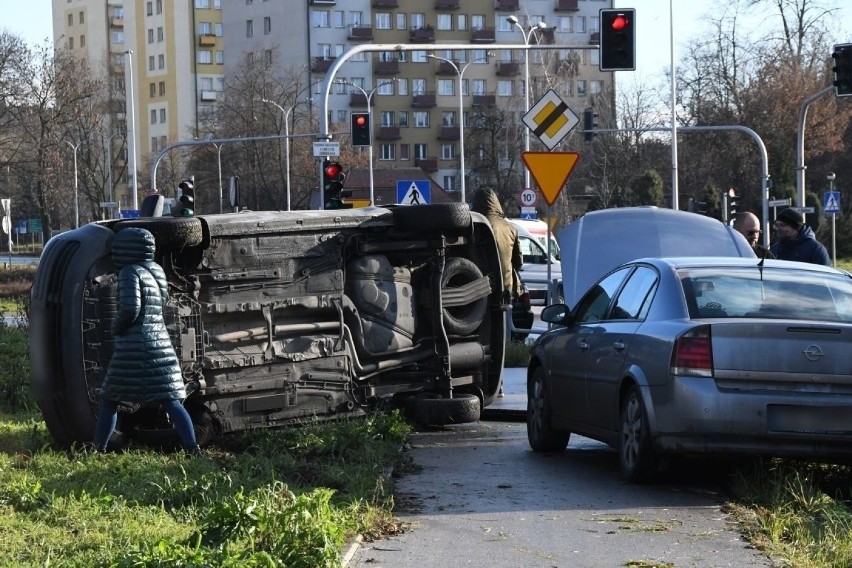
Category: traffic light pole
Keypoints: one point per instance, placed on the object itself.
(800, 144)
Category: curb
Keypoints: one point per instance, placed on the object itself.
(350, 549)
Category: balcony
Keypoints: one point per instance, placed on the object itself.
(483, 35)
(208, 96)
(446, 68)
(207, 40)
(388, 133)
(512, 5)
(446, 4)
(449, 133)
(361, 33)
(424, 100)
(321, 64)
(427, 164)
(357, 99)
(508, 68)
(386, 67)
(566, 6)
(422, 35)
(595, 38)
(548, 36)
(117, 22)
(484, 100)
(385, 4)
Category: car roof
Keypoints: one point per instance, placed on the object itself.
(736, 262)
(601, 240)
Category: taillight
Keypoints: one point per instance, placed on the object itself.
(693, 353)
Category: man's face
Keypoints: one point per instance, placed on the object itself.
(750, 229)
(785, 231)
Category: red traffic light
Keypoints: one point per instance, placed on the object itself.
(333, 170)
(619, 22)
(360, 120)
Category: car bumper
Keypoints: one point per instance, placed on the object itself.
(695, 415)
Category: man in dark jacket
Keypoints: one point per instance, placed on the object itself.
(796, 240)
(748, 225)
(144, 368)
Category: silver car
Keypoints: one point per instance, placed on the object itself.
(685, 355)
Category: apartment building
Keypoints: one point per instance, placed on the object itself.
(182, 52)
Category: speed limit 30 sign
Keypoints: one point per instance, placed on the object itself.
(528, 197)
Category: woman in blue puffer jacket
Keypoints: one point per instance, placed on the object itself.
(144, 368)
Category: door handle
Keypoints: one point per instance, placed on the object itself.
(618, 346)
(584, 344)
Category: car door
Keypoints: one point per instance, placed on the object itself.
(568, 356)
(608, 353)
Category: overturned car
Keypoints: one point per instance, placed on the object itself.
(282, 317)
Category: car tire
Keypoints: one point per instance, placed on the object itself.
(463, 408)
(439, 216)
(540, 433)
(637, 457)
(170, 233)
(466, 318)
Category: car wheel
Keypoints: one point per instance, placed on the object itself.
(462, 319)
(461, 409)
(637, 457)
(540, 433)
(435, 217)
(170, 233)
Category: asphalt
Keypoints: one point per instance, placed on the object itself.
(512, 406)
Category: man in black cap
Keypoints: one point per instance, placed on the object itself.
(796, 240)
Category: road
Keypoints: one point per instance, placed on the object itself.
(483, 498)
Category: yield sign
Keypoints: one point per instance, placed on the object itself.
(550, 171)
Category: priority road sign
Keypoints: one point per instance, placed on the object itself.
(550, 171)
(831, 202)
(413, 192)
(550, 119)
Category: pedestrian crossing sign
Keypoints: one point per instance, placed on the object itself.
(413, 192)
(831, 202)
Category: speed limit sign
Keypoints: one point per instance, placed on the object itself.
(528, 197)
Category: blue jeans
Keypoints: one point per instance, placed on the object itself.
(108, 416)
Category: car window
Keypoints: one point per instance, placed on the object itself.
(773, 293)
(595, 303)
(635, 297)
(532, 251)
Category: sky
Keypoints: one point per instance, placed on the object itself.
(32, 20)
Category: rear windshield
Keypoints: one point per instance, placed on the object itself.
(780, 293)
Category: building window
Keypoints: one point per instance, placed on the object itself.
(446, 86)
(151, 63)
(249, 28)
(445, 22)
(319, 19)
(419, 57)
(217, 29)
(581, 88)
(595, 87)
(385, 88)
(151, 35)
(448, 151)
(563, 24)
(339, 18)
(383, 21)
(220, 57)
(152, 89)
(504, 88)
(161, 61)
(418, 86)
(203, 4)
(421, 151)
(477, 21)
(159, 6)
(70, 20)
(82, 41)
(206, 83)
(153, 143)
(163, 115)
(594, 57)
(402, 87)
(465, 89)
(594, 24)
(418, 20)
(267, 25)
(388, 152)
(162, 88)
(450, 183)
(580, 24)
(401, 21)
(267, 57)
(404, 152)
(479, 86)
(356, 18)
(149, 8)
(153, 116)
(203, 56)
(421, 119)
(117, 36)
(403, 119)
(503, 25)
(205, 28)
(480, 56)
(387, 118)
(448, 118)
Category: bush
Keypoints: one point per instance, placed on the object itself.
(14, 367)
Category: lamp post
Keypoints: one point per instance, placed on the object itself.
(286, 113)
(527, 35)
(369, 97)
(129, 96)
(76, 193)
(109, 168)
(460, 73)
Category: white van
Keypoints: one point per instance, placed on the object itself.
(533, 239)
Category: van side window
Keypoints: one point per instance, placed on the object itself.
(532, 251)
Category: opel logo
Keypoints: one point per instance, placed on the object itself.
(813, 353)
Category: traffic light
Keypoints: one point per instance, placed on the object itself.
(618, 39)
(589, 124)
(733, 204)
(360, 129)
(842, 56)
(332, 184)
(186, 200)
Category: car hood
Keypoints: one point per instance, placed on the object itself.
(599, 241)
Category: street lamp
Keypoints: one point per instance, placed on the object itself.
(286, 140)
(129, 101)
(369, 97)
(460, 73)
(76, 193)
(527, 35)
(109, 170)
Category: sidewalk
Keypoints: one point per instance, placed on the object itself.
(513, 406)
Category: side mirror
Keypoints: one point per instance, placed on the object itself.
(557, 314)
